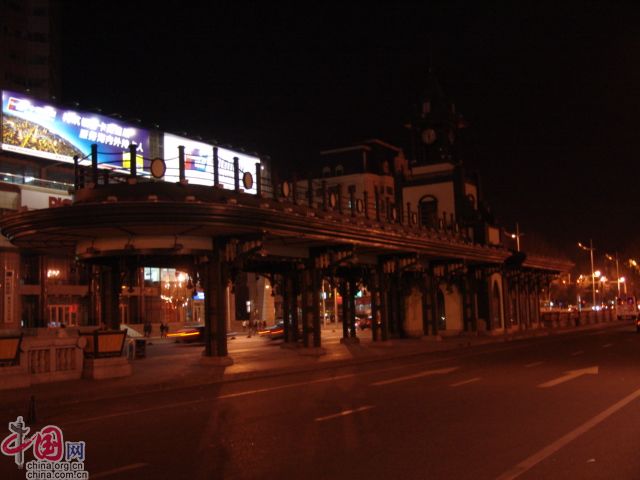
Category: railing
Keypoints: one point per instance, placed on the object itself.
(36, 182)
(52, 358)
(576, 318)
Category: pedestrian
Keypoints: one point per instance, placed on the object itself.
(147, 329)
(244, 325)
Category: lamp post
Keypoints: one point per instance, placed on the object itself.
(516, 235)
(609, 257)
(593, 278)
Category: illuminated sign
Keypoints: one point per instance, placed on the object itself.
(33, 127)
(35, 199)
(199, 163)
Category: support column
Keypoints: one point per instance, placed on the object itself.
(286, 307)
(344, 293)
(468, 291)
(433, 297)
(352, 309)
(215, 310)
(295, 322)
(315, 296)
(384, 303)
(506, 302)
(427, 306)
(110, 296)
(307, 307)
(375, 305)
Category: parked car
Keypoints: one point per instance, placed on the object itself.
(193, 333)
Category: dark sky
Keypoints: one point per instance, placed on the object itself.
(550, 90)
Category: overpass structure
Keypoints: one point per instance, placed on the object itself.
(296, 234)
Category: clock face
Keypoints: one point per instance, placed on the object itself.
(429, 136)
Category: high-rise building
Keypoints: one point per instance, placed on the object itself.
(29, 46)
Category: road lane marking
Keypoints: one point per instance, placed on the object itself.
(288, 385)
(553, 447)
(426, 373)
(465, 382)
(570, 375)
(579, 352)
(344, 413)
(201, 400)
(534, 364)
(126, 468)
(607, 345)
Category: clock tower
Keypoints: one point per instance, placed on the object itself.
(434, 127)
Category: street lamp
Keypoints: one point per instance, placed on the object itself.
(593, 278)
(516, 235)
(622, 280)
(609, 257)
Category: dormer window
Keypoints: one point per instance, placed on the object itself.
(326, 171)
(339, 170)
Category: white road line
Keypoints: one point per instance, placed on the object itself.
(426, 373)
(570, 375)
(553, 447)
(288, 385)
(534, 364)
(579, 352)
(126, 468)
(607, 345)
(344, 413)
(201, 400)
(464, 382)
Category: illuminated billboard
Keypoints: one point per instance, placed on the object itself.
(34, 127)
(199, 163)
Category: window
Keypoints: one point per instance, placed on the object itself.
(339, 170)
(428, 210)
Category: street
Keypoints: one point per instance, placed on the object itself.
(562, 406)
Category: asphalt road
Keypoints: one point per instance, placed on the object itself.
(565, 406)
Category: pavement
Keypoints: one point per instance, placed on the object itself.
(168, 365)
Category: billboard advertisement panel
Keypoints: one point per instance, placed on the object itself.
(37, 128)
(199, 162)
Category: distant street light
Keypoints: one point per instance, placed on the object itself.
(593, 278)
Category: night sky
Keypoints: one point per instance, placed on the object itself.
(550, 91)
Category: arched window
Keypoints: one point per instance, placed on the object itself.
(339, 170)
(428, 209)
(471, 200)
(326, 171)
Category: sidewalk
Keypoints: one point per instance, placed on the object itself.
(170, 366)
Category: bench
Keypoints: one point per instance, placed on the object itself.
(10, 350)
(104, 343)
